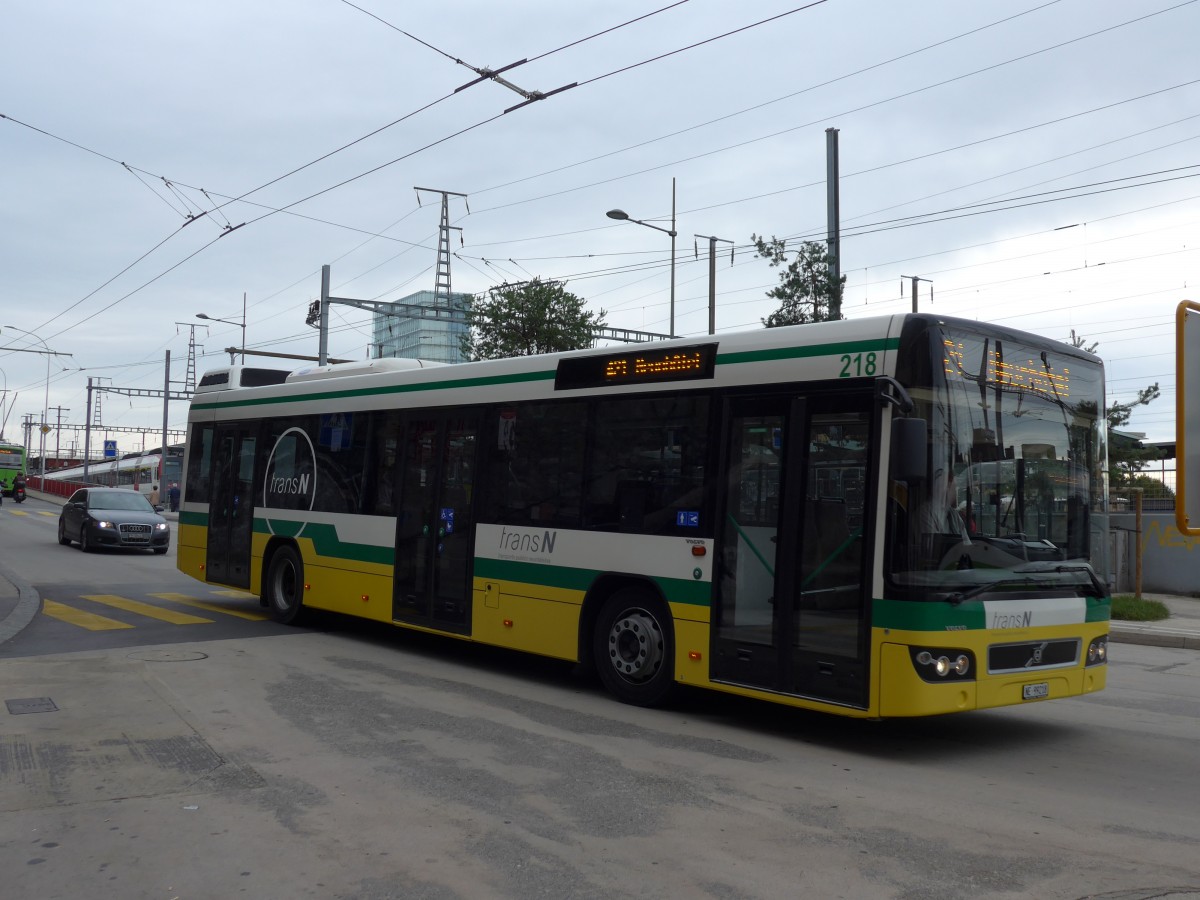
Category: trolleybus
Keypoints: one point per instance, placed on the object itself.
(12, 464)
(766, 513)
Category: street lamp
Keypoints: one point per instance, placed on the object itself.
(622, 216)
(241, 324)
(47, 352)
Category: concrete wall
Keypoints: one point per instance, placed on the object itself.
(1170, 560)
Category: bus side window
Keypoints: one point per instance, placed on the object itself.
(647, 463)
(532, 463)
(199, 464)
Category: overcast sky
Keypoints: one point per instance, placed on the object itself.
(1037, 161)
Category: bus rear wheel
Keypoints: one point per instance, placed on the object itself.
(284, 586)
(633, 647)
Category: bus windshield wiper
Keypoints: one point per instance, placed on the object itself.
(959, 596)
(1097, 584)
(1018, 581)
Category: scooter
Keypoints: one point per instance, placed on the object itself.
(19, 493)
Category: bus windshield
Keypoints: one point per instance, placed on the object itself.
(1014, 496)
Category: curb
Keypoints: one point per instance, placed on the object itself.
(1155, 636)
(28, 604)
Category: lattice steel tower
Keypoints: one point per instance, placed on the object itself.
(441, 289)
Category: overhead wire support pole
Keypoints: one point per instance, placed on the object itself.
(712, 276)
(915, 279)
(833, 220)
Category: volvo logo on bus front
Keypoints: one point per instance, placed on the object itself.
(289, 482)
(1035, 658)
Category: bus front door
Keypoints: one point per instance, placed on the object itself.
(231, 509)
(789, 613)
(434, 525)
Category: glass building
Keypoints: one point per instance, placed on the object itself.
(421, 328)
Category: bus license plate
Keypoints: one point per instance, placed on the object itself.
(1039, 691)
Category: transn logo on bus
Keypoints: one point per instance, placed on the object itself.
(290, 481)
(1013, 620)
(526, 543)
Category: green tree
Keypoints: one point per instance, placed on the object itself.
(1126, 457)
(528, 318)
(806, 291)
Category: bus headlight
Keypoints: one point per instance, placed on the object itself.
(942, 665)
(1097, 654)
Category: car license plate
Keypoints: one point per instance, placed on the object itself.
(1039, 691)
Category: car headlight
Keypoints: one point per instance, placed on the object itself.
(101, 523)
(161, 526)
(1097, 653)
(943, 664)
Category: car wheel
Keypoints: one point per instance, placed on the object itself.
(84, 544)
(634, 647)
(284, 586)
(160, 550)
(62, 534)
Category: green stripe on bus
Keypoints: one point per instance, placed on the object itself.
(326, 541)
(904, 615)
(199, 519)
(918, 615)
(676, 590)
(380, 391)
(1099, 609)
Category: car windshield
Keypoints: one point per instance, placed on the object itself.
(120, 500)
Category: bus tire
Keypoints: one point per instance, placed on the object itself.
(634, 647)
(283, 589)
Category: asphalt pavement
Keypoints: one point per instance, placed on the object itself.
(19, 603)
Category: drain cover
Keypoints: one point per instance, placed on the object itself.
(167, 655)
(30, 705)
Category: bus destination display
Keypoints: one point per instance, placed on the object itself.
(643, 366)
(1024, 373)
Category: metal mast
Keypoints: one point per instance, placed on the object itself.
(441, 290)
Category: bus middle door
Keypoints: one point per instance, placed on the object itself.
(435, 521)
(231, 508)
(788, 614)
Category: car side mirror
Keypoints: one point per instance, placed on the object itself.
(158, 507)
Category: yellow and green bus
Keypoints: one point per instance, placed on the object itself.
(768, 513)
(12, 464)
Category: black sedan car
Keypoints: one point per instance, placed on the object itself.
(112, 517)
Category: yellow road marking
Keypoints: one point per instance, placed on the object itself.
(72, 616)
(237, 595)
(145, 609)
(19, 512)
(187, 600)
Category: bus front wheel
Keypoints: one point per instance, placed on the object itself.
(284, 586)
(634, 648)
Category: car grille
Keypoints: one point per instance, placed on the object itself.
(1033, 655)
(135, 534)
